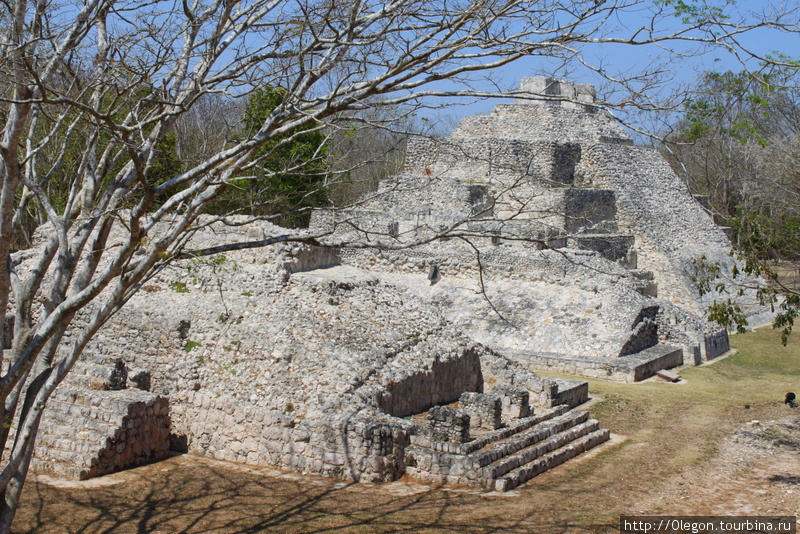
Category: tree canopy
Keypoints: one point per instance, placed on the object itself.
(738, 144)
(289, 172)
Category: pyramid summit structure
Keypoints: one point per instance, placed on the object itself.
(594, 244)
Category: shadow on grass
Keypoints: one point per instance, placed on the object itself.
(785, 479)
(194, 497)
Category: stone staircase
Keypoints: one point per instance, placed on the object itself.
(504, 458)
(94, 426)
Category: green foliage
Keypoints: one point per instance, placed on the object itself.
(730, 104)
(290, 171)
(217, 263)
(166, 163)
(790, 308)
(696, 11)
(191, 345)
(738, 141)
(728, 313)
(178, 287)
(725, 312)
(763, 235)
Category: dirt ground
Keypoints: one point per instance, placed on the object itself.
(756, 472)
(720, 442)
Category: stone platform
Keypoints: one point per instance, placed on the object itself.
(631, 368)
(503, 459)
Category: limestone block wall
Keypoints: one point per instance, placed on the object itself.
(590, 210)
(577, 303)
(84, 434)
(485, 411)
(672, 230)
(549, 121)
(624, 369)
(456, 260)
(499, 161)
(502, 375)
(550, 91)
(443, 383)
(351, 446)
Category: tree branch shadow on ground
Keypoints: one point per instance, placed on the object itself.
(193, 497)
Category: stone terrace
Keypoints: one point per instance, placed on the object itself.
(586, 243)
(276, 357)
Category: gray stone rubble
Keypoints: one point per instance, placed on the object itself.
(368, 365)
(578, 251)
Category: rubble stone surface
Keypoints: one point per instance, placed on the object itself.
(576, 251)
(546, 240)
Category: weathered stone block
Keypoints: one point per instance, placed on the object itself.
(515, 401)
(484, 410)
(448, 425)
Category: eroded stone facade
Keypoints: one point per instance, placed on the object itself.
(551, 242)
(587, 245)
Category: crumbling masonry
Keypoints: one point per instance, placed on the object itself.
(369, 365)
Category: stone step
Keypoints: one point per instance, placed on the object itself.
(553, 442)
(93, 439)
(517, 442)
(99, 375)
(81, 460)
(78, 380)
(59, 470)
(90, 418)
(61, 408)
(506, 458)
(485, 439)
(509, 430)
(100, 405)
(522, 474)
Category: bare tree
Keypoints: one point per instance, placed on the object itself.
(91, 89)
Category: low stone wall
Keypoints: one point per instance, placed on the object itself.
(142, 437)
(571, 393)
(443, 383)
(714, 345)
(631, 368)
(505, 375)
(84, 434)
(485, 411)
(358, 447)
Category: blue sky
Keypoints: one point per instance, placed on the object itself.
(679, 70)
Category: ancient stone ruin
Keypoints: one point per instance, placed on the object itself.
(552, 243)
(588, 245)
